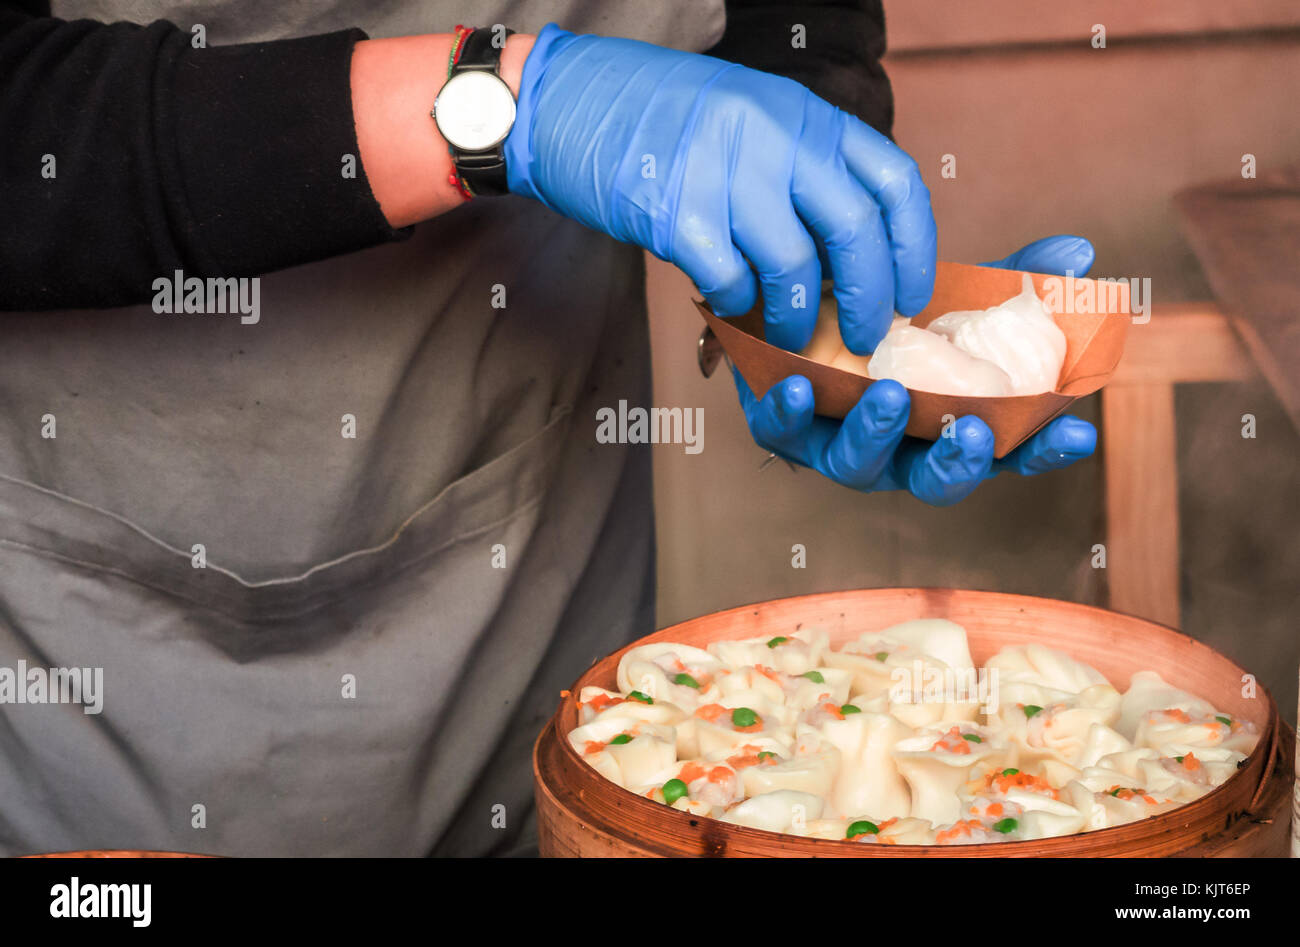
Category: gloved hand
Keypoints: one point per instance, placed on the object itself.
(714, 167)
(868, 451)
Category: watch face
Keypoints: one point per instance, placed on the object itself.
(474, 111)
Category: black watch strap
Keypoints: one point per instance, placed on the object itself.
(484, 172)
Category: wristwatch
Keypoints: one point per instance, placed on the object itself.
(475, 111)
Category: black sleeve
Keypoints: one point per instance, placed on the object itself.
(841, 61)
(126, 154)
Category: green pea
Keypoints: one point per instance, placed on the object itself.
(744, 717)
(862, 827)
(1031, 709)
(620, 739)
(1180, 758)
(881, 655)
(1005, 826)
(674, 789)
(814, 676)
(778, 640)
(644, 698)
(850, 709)
(686, 681)
(766, 754)
(1226, 721)
(972, 737)
(1011, 772)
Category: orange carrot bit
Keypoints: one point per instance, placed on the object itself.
(1175, 714)
(956, 831)
(592, 747)
(601, 701)
(833, 711)
(755, 727)
(720, 774)
(691, 772)
(710, 712)
(768, 673)
(952, 742)
(1037, 784)
(748, 756)
(1191, 763)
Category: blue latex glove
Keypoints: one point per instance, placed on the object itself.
(868, 451)
(715, 167)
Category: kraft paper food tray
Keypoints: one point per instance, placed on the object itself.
(1094, 345)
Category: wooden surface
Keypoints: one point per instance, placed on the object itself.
(1181, 343)
(1141, 501)
(581, 813)
(1246, 235)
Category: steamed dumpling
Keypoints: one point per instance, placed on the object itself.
(935, 637)
(1013, 348)
(1046, 667)
(937, 763)
(1019, 336)
(925, 361)
(654, 669)
(903, 664)
(913, 357)
(1074, 729)
(778, 811)
(868, 779)
(795, 653)
(1148, 692)
(927, 665)
(811, 773)
(649, 750)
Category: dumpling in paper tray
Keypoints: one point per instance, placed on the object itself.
(1019, 336)
(919, 359)
(1013, 348)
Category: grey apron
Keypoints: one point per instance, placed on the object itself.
(384, 621)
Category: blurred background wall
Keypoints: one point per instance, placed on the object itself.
(1050, 135)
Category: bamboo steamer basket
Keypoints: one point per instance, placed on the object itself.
(582, 814)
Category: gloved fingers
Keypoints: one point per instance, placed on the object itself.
(1062, 442)
(783, 422)
(894, 180)
(823, 256)
(767, 231)
(948, 470)
(702, 248)
(868, 436)
(1057, 255)
(846, 221)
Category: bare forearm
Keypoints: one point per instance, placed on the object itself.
(394, 83)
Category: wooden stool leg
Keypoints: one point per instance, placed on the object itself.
(1141, 500)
